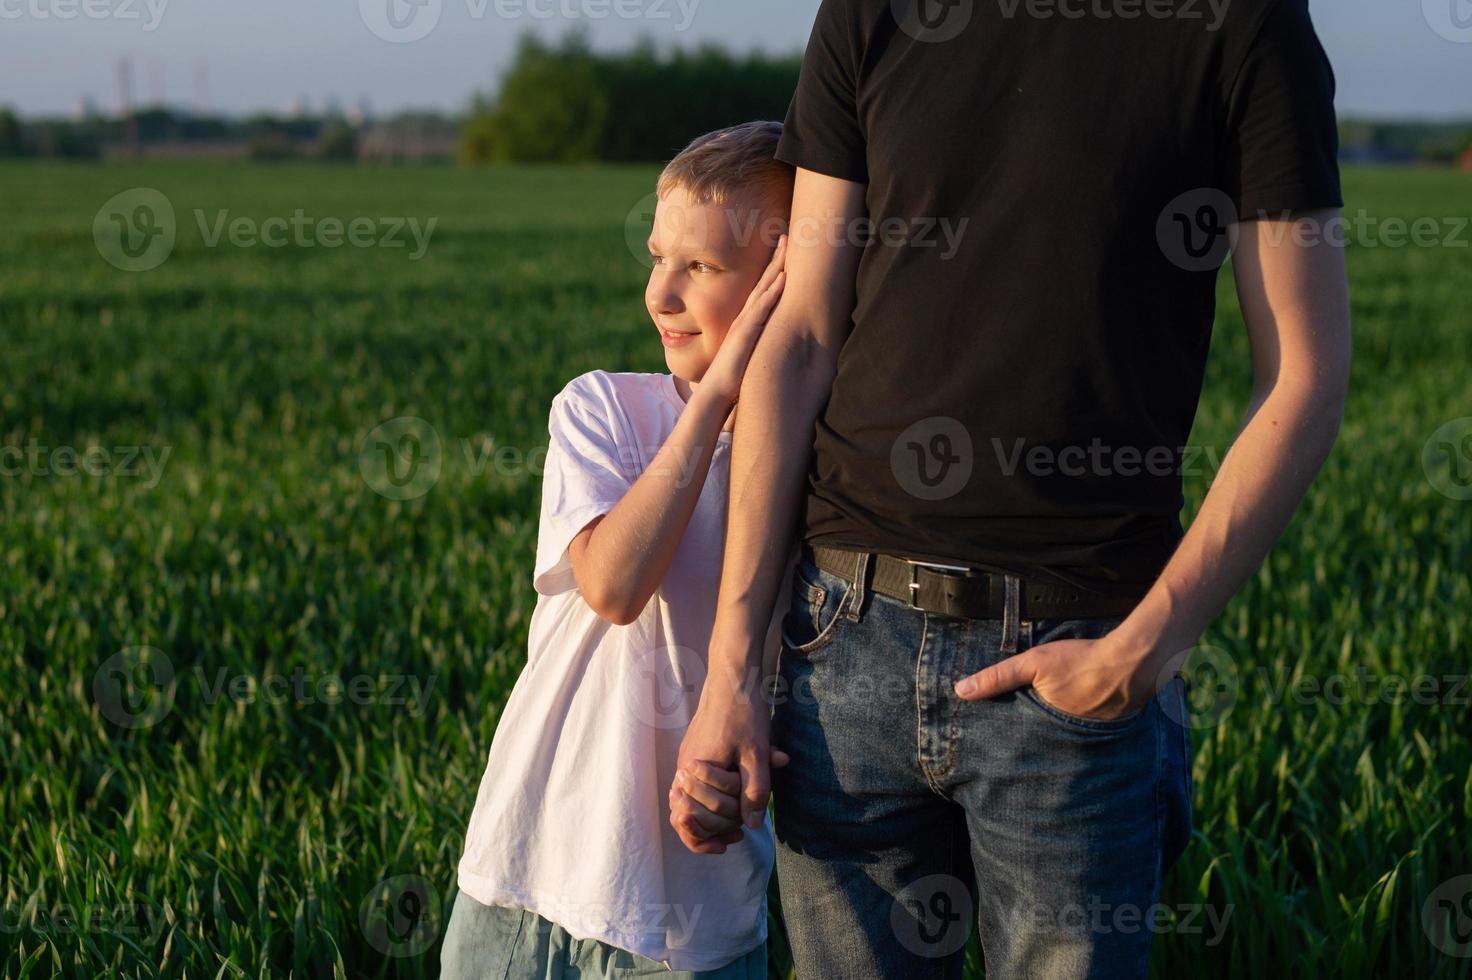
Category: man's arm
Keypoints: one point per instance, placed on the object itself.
(785, 387)
(1295, 301)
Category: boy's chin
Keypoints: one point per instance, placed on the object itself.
(681, 365)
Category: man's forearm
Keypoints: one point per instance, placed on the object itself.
(1263, 478)
(782, 393)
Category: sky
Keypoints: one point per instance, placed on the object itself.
(1392, 58)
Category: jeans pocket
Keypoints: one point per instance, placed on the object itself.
(1047, 631)
(819, 601)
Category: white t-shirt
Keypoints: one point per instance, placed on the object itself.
(572, 817)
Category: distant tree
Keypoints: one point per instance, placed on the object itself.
(12, 143)
(338, 142)
(565, 102)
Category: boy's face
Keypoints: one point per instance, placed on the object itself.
(707, 260)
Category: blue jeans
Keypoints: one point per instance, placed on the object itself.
(491, 942)
(907, 813)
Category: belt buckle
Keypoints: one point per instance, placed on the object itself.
(914, 583)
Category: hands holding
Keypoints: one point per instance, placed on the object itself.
(705, 805)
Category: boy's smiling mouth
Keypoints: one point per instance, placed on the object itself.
(675, 338)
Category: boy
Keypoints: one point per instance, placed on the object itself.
(571, 859)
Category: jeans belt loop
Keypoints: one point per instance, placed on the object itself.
(857, 593)
(1010, 613)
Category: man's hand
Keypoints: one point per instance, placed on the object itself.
(730, 731)
(1096, 679)
(705, 805)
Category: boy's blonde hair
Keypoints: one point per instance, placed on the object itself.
(718, 166)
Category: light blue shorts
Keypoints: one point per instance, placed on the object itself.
(486, 942)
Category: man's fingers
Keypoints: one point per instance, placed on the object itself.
(754, 787)
(780, 758)
(1008, 675)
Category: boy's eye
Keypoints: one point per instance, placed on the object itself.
(702, 267)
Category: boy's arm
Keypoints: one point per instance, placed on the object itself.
(786, 385)
(1295, 301)
(620, 558)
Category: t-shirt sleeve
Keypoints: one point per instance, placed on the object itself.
(585, 475)
(1282, 140)
(822, 131)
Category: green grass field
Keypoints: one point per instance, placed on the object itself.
(189, 790)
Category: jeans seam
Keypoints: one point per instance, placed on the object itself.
(920, 706)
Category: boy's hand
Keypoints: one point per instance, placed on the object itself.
(705, 805)
(728, 367)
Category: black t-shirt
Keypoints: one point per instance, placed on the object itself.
(1036, 293)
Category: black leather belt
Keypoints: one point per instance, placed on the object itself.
(967, 593)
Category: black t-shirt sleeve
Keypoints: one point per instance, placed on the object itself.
(1282, 140)
(822, 131)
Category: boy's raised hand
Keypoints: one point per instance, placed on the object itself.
(728, 367)
(705, 805)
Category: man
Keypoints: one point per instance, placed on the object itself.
(971, 406)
